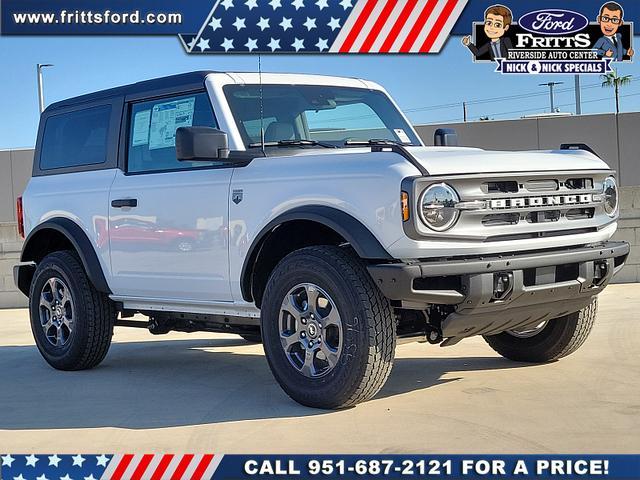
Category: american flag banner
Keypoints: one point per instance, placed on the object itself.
(109, 467)
(326, 26)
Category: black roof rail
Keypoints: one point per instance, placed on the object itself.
(193, 79)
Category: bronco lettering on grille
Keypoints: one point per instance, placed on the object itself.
(549, 201)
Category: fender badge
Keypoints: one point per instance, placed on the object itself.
(236, 196)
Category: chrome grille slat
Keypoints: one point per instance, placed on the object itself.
(542, 185)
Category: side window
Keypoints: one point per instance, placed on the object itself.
(152, 131)
(75, 139)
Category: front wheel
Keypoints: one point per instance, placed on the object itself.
(328, 331)
(548, 341)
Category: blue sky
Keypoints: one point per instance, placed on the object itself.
(418, 83)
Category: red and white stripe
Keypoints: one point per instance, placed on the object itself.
(398, 26)
(161, 467)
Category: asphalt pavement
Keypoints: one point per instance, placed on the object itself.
(212, 392)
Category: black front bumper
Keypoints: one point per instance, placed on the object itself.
(543, 285)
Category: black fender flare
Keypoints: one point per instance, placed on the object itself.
(352, 230)
(78, 238)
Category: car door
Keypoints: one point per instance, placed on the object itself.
(168, 220)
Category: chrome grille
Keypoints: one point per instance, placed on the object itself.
(511, 206)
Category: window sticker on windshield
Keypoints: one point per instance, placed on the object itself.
(404, 138)
(167, 118)
(141, 128)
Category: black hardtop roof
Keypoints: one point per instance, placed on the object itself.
(172, 81)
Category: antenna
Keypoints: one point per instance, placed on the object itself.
(261, 106)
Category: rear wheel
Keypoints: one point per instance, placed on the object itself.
(71, 321)
(547, 341)
(328, 331)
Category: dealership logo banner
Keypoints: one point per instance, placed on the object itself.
(228, 467)
(552, 40)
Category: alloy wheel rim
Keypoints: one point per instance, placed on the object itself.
(56, 312)
(528, 332)
(311, 332)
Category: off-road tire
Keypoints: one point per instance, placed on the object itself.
(560, 337)
(367, 321)
(94, 315)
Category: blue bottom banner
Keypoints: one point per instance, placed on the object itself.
(219, 466)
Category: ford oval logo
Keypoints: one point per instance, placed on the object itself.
(553, 22)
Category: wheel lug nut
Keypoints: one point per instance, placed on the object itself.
(304, 321)
(303, 335)
(311, 343)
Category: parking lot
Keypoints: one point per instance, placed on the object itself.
(212, 392)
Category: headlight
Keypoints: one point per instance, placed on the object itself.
(438, 207)
(610, 193)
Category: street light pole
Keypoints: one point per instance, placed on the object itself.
(40, 66)
(578, 96)
(551, 97)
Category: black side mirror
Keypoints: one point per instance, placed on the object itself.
(445, 137)
(201, 144)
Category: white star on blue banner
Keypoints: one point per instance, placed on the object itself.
(270, 26)
(54, 467)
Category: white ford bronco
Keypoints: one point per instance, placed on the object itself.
(304, 212)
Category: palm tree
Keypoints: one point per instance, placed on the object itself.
(616, 81)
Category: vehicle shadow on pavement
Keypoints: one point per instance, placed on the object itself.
(177, 383)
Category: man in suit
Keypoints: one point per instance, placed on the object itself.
(610, 45)
(497, 20)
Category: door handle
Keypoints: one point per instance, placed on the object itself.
(124, 202)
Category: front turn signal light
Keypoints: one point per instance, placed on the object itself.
(404, 202)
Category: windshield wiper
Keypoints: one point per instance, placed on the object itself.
(293, 143)
(381, 144)
(372, 142)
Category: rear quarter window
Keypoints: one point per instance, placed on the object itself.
(76, 138)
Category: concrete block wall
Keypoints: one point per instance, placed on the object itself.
(629, 231)
(10, 247)
(15, 171)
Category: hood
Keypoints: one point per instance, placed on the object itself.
(454, 160)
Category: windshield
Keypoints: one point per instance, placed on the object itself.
(325, 114)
